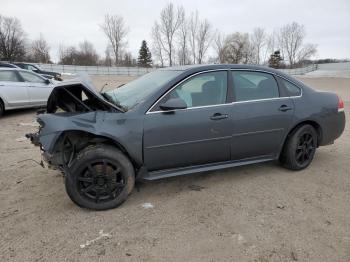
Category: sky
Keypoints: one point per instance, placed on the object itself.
(69, 22)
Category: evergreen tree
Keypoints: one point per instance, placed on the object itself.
(275, 60)
(145, 56)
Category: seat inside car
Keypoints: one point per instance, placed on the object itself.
(210, 94)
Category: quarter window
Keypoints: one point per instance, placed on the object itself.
(254, 85)
(9, 76)
(202, 90)
(292, 89)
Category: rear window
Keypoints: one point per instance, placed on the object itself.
(249, 85)
(9, 76)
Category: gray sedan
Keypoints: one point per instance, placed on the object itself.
(22, 89)
(178, 121)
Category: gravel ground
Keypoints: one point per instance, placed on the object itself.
(254, 213)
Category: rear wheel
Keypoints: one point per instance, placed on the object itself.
(100, 178)
(300, 148)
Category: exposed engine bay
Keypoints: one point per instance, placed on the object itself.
(76, 97)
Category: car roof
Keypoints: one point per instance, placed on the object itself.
(12, 68)
(203, 67)
(190, 69)
(19, 69)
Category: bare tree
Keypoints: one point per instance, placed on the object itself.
(115, 29)
(237, 48)
(157, 44)
(170, 21)
(108, 58)
(183, 38)
(307, 51)
(87, 54)
(257, 43)
(204, 38)
(11, 39)
(40, 50)
(200, 37)
(291, 38)
(219, 46)
(194, 23)
(67, 55)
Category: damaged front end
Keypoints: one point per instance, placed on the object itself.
(74, 112)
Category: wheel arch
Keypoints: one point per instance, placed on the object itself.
(313, 123)
(87, 138)
(2, 101)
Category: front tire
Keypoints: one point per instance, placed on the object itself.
(300, 148)
(2, 108)
(101, 177)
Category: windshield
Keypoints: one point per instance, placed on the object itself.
(132, 93)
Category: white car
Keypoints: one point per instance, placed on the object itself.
(23, 89)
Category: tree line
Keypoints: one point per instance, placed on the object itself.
(177, 38)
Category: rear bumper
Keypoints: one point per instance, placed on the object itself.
(334, 128)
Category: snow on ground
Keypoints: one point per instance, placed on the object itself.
(331, 70)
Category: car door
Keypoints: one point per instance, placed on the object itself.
(199, 134)
(12, 89)
(261, 116)
(38, 88)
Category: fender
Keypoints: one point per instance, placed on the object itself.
(98, 123)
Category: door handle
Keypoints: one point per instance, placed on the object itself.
(285, 108)
(218, 116)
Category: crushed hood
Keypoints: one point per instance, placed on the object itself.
(78, 95)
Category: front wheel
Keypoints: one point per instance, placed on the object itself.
(300, 148)
(2, 108)
(101, 177)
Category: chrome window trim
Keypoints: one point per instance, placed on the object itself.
(183, 80)
(232, 103)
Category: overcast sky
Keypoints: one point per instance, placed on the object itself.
(69, 22)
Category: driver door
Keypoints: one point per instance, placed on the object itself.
(199, 134)
(38, 88)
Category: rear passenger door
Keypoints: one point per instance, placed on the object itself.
(261, 116)
(12, 89)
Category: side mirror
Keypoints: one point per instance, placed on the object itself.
(173, 103)
(47, 81)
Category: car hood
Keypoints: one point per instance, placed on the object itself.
(78, 95)
(49, 73)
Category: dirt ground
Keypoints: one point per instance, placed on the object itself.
(254, 213)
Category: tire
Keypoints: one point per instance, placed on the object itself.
(101, 177)
(2, 108)
(300, 148)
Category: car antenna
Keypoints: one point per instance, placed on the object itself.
(103, 87)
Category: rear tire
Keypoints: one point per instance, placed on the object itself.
(300, 148)
(101, 177)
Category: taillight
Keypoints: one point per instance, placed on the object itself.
(340, 104)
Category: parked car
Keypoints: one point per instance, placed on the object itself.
(38, 70)
(181, 120)
(22, 89)
(8, 65)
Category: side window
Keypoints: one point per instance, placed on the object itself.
(29, 77)
(250, 85)
(292, 89)
(201, 90)
(9, 76)
(32, 68)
